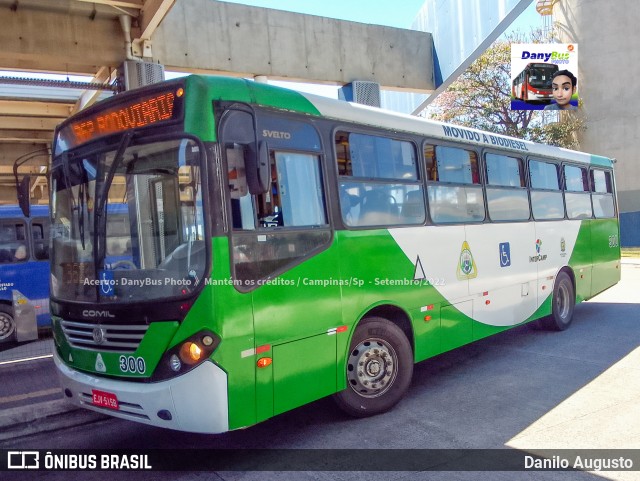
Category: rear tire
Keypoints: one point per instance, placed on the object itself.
(379, 368)
(7, 324)
(563, 304)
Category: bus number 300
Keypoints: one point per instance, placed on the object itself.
(135, 365)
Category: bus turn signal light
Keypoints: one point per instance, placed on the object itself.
(190, 353)
(264, 361)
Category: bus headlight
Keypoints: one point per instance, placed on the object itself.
(186, 355)
(174, 363)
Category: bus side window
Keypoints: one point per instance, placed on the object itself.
(379, 181)
(456, 194)
(576, 196)
(602, 194)
(546, 197)
(13, 242)
(507, 198)
(40, 235)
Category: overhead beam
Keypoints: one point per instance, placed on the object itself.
(118, 3)
(151, 15)
(38, 155)
(27, 169)
(25, 137)
(10, 122)
(105, 75)
(56, 41)
(34, 109)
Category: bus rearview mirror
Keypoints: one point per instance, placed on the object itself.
(24, 194)
(258, 170)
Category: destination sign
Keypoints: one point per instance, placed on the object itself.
(137, 112)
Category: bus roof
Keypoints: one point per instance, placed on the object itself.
(234, 89)
(439, 130)
(202, 90)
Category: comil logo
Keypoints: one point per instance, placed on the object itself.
(23, 460)
(94, 313)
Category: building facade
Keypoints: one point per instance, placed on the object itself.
(608, 36)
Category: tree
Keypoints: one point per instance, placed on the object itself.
(481, 99)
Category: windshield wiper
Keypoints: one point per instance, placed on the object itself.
(100, 217)
(77, 205)
(81, 204)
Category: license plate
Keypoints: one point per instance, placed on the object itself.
(104, 399)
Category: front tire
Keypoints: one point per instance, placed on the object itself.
(7, 324)
(563, 304)
(379, 368)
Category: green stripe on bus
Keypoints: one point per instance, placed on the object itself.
(201, 91)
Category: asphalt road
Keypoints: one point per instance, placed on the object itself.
(523, 389)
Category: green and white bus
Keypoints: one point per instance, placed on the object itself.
(278, 247)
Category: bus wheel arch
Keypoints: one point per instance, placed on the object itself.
(378, 368)
(395, 315)
(7, 323)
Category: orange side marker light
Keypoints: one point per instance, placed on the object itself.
(264, 362)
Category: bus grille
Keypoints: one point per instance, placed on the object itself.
(119, 338)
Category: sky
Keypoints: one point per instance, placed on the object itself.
(392, 13)
(398, 13)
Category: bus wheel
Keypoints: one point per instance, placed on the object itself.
(7, 324)
(564, 300)
(379, 368)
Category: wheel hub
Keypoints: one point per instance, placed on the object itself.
(6, 326)
(372, 367)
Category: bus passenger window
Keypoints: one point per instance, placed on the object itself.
(379, 181)
(602, 194)
(576, 196)
(455, 195)
(546, 197)
(507, 198)
(13, 242)
(40, 235)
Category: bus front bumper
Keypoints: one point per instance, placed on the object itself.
(196, 401)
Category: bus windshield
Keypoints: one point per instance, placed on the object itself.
(540, 76)
(127, 222)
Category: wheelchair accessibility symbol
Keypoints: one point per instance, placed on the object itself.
(505, 254)
(106, 283)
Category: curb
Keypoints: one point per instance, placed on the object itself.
(630, 260)
(43, 417)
